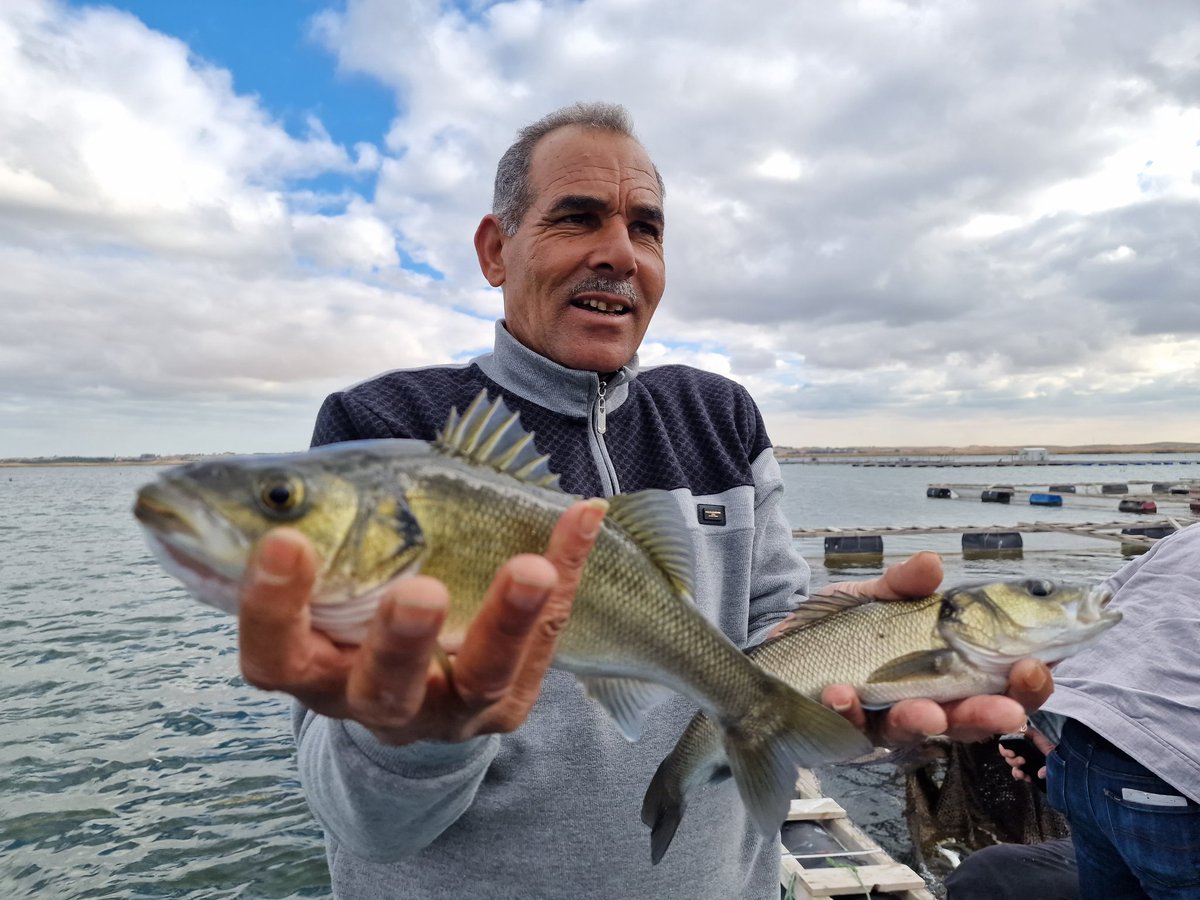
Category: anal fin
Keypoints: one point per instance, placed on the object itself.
(626, 700)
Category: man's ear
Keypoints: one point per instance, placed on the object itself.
(489, 244)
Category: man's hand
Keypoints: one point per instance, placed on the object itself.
(909, 721)
(394, 683)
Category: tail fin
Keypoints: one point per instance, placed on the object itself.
(662, 808)
(783, 732)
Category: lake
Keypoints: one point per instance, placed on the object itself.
(134, 762)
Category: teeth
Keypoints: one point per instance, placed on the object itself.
(602, 306)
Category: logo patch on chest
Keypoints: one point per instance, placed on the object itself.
(710, 514)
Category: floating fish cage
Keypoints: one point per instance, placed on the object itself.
(1151, 533)
(854, 545)
(1045, 500)
(992, 545)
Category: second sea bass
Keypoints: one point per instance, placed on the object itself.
(945, 647)
(456, 510)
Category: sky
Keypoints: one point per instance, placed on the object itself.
(896, 223)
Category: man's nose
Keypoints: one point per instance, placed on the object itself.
(613, 252)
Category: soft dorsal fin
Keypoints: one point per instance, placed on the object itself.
(821, 606)
(653, 520)
(488, 434)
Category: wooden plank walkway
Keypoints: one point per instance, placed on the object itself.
(842, 860)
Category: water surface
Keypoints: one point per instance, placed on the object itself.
(135, 762)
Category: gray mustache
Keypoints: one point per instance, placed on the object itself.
(607, 285)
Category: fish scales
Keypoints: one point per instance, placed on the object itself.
(603, 636)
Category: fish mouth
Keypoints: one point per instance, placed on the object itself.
(192, 543)
(1093, 607)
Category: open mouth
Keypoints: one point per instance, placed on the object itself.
(609, 308)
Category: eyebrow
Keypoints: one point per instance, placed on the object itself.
(585, 203)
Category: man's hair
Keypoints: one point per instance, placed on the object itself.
(512, 197)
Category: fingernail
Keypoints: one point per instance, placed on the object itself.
(415, 617)
(842, 706)
(276, 562)
(1039, 681)
(528, 593)
(589, 522)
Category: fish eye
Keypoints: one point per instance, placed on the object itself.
(281, 494)
(1039, 587)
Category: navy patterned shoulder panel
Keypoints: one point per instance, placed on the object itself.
(414, 404)
(684, 427)
(679, 428)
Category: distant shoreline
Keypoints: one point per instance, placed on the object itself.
(980, 450)
(74, 462)
(782, 452)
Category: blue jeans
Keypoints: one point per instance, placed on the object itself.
(1124, 848)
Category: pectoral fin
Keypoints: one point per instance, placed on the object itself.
(914, 667)
(626, 700)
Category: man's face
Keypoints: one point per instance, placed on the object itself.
(584, 272)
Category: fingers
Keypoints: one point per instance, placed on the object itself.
(570, 543)
(978, 718)
(1040, 741)
(495, 644)
(273, 615)
(1030, 683)
(843, 699)
(917, 576)
(386, 689)
(911, 721)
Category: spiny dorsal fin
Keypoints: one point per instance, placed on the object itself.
(652, 518)
(488, 434)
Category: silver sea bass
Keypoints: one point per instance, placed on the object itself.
(456, 510)
(949, 645)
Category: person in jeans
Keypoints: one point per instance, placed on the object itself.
(1126, 769)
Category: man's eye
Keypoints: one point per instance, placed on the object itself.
(647, 228)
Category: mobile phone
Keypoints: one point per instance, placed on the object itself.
(1027, 750)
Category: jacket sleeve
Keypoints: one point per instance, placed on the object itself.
(376, 801)
(383, 803)
(779, 577)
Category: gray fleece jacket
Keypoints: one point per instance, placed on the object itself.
(553, 809)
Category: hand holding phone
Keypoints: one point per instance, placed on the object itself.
(1033, 758)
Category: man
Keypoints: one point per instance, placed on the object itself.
(428, 788)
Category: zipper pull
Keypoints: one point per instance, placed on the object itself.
(601, 411)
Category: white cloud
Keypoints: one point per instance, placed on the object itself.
(886, 219)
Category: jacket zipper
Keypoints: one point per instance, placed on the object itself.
(601, 410)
